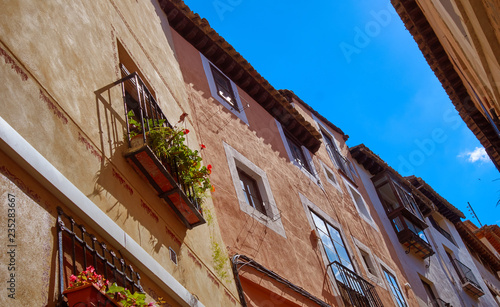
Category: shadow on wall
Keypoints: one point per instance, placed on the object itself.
(116, 178)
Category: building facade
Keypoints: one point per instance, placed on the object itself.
(460, 41)
(291, 216)
(429, 238)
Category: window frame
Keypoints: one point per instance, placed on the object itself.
(327, 170)
(251, 184)
(312, 174)
(385, 271)
(367, 216)
(272, 217)
(237, 109)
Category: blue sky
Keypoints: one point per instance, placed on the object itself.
(356, 64)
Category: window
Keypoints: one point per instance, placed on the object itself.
(223, 89)
(367, 260)
(396, 291)
(332, 242)
(330, 176)
(251, 191)
(342, 162)
(431, 297)
(298, 154)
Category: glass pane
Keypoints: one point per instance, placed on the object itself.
(335, 235)
(320, 224)
(388, 197)
(395, 289)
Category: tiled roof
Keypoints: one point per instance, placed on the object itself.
(197, 32)
(375, 165)
(444, 207)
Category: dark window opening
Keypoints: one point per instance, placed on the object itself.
(298, 154)
(224, 88)
(251, 190)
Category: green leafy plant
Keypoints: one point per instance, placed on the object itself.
(219, 258)
(127, 298)
(168, 143)
(136, 127)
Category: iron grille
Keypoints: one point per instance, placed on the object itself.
(354, 289)
(84, 249)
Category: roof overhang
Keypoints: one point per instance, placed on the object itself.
(197, 32)
(375, 165)
(444, 207)
(439, 61)
(475, 244)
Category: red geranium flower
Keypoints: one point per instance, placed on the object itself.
(186, 131)
(209, 167)
(203, 146)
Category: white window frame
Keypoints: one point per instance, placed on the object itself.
(240, 112)
(272, 218)
(368, 218)
(386, 282)
(314, 175)
(311, 207)
(327, 170)
(362, 248)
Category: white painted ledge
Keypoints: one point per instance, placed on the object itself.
(16, 147)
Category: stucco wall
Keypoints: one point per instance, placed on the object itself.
(297, 256)
(55, 56)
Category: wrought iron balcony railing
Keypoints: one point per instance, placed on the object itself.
(342, 162)
(78, 248)
(163, 175)
(468, 279)
(354, 289)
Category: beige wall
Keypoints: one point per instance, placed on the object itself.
(56, 55)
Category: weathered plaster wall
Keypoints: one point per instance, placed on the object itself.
(55, 56)
(469, 31)
(260, 142)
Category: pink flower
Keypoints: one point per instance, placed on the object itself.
(72, 278)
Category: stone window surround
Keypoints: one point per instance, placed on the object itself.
(272, 217)
(314, 176)
(328, 169)
(369, 218)
(207, 66)
(308, 207)
(388, 286)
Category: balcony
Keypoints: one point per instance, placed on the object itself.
(412, 237)
(354, 289)
(162, 174)
(468, 279)
(344, 165)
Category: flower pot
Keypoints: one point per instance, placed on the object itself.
(162, 179)
(88, 295)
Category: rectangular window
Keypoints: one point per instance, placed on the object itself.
(332, 242)
(251, 191)
(298, 154)
(224, 88)
(396, 291)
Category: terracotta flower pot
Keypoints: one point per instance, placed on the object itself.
(88, 295)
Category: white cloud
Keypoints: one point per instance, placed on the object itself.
(478, 154)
